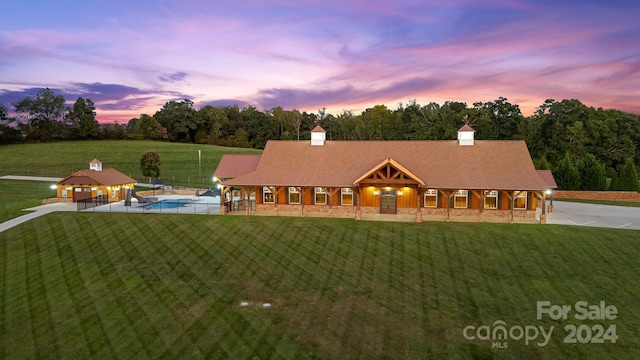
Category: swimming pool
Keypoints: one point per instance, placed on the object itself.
(168, 204)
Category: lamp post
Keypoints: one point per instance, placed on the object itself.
(199, 168)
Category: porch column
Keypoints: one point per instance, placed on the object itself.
(418, 209)
(543, 214)
(357, 198)
(223, 196)
(481, 195)
(513, 204)
(447, 195)
(301, 191)
(330, 192)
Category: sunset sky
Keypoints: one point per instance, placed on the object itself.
(130, 57)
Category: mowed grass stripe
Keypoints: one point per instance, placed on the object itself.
(18, 337)
(114, 306)
(79, 273)
(339, 289)
(42, 325)
(65, 289)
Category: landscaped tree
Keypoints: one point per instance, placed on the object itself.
(150, 164)
(628, 180)
(593, 175)
(566, 174)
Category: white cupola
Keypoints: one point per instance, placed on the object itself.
(466, 135)
(318, 136)
(96, 165)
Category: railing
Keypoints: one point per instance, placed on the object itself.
(85, 204)
(239, 205)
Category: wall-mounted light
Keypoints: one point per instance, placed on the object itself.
(399, 193)
(375, 192)
(548, 191)
(53, 187)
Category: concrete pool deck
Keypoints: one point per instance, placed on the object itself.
(207, 205)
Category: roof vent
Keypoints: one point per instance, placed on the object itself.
(465, 135)
(96, 165)
(318, 136)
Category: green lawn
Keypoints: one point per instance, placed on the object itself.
(90, 285)
(179, 161)
(18, 195)
(136, 286)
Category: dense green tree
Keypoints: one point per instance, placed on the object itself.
(612, 177)
(83, 113)
(148, 128)
(566, 175)
(503, 118)
(150, 165)
(180, 119)
(593, 175)
(113, 131)
(214, 122)
(628, 180)
(260, 127)
(543, 164)
(44, 115)
(8, 133)
(562, 128)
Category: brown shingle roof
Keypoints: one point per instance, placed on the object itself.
(548, 178)
(504, 165)
(231, 166)
(108, 176)
(466, 127)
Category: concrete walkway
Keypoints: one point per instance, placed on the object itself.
(31, 178)
(35, 212)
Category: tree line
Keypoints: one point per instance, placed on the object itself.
(558, 134)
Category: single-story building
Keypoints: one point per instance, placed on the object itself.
(93, 183)
(456, 180)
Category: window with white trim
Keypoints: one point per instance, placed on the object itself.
(319, 196)
(267, 196)
(431, 198)
(460, 199)
(346, 196)
(294, 195)
(520, 201)
(491, 200)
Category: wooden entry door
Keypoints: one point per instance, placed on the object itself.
(388, 201)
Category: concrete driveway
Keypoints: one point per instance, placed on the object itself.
(572, 213)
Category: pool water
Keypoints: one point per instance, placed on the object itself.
(167, 204)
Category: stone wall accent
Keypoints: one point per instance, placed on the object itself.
(597, 195)
(425, 214)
